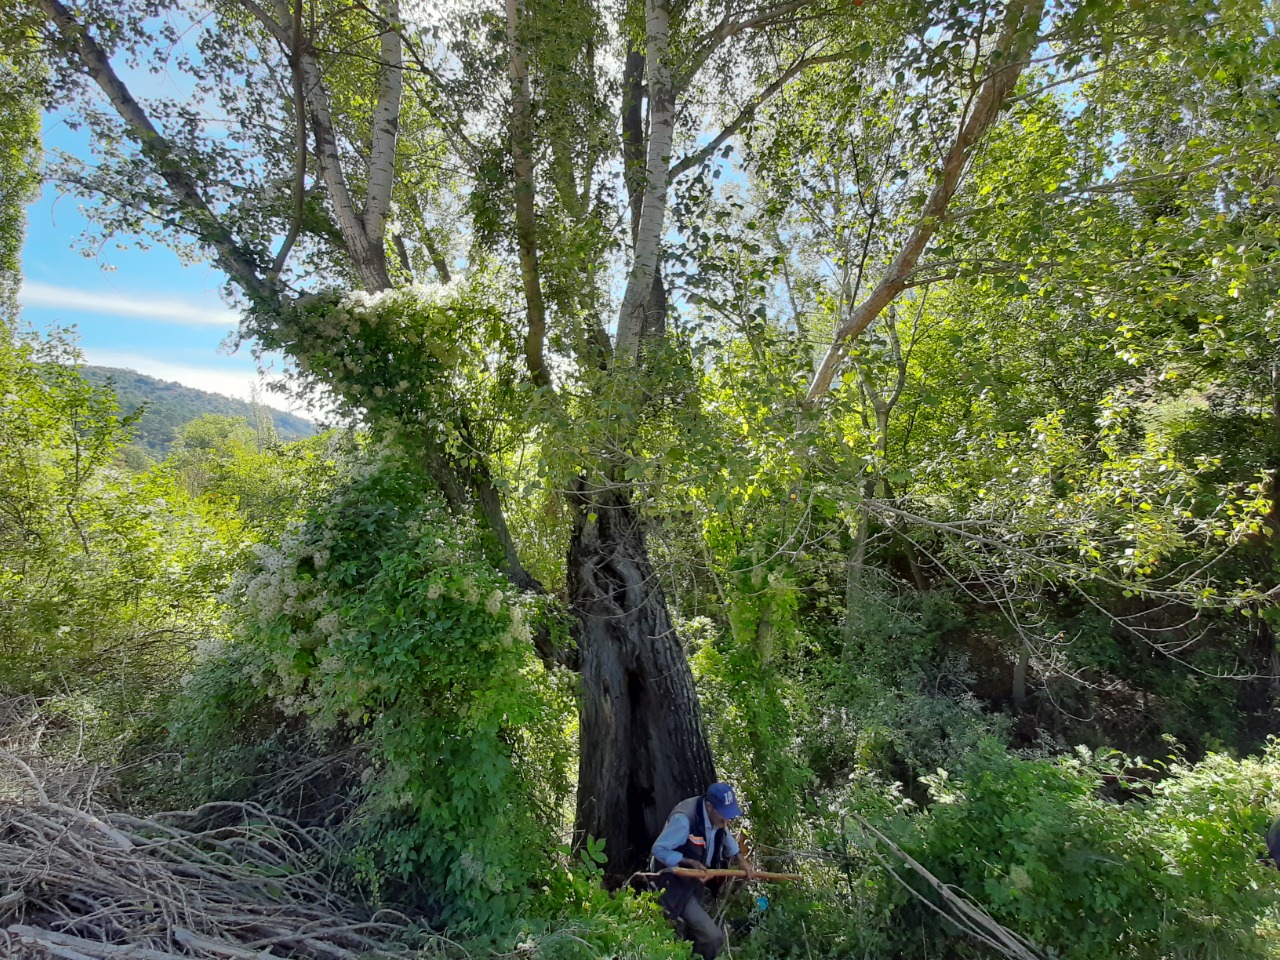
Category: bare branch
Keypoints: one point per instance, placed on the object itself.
(727, 28)
(748, 112)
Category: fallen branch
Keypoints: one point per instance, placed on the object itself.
(957, 905)
(90, 884)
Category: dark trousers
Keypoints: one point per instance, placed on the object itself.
(706, 934)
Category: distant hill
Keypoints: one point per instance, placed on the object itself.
(171, 406)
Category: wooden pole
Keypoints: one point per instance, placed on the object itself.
(714, 874)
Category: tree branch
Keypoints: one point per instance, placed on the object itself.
(239, 262)
(526, 222)
(434, 253)
(662, 121)
(452, 126)
(1006, 62)
(684, 164)
(727, 28)
(366, 252)
(300, 145)
(274, 27)
(385, 124)
(633, 134)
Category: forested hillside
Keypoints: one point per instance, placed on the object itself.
(168, 407)
(873, 406)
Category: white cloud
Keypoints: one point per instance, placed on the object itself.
(230, 383)
(129, 305)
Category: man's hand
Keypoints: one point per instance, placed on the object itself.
(688, 863)
(747, 867)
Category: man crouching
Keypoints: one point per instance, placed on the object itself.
(696, 837)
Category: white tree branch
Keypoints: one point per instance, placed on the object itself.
(662, 120)
(385, 125)
(1006, 63)
(368, 260)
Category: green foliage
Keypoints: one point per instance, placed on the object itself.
(379, 617)
(571, 916)
(21, 77)
(1003, 495)
(897, 698)
(104, 579)
(1157, 862)
(1088, 856)
(756, 709)
(236, 470)
(407, 358)
(820, 920)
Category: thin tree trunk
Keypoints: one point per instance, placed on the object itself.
(1008, 60)
(633, 139)
(662, 121)
(853, 569)
(385, 124)
(522, 168)
(654, 323)
(1020, 677)
(434, 253)
(366, 251)
(643, 747)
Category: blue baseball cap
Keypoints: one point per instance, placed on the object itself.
(723, 801)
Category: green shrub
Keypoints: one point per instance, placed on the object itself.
(1167, 869)
(896, 699)
(573, 917)
(106, 580)
(754, 708)
(378, 619)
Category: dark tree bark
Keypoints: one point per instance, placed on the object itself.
(643, 747)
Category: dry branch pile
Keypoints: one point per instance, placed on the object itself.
(226, 881)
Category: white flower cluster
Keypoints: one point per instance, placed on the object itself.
(291, 600)
(275, 595)
(347, 322)
(518, 632)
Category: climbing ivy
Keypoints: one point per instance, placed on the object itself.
(377, 617)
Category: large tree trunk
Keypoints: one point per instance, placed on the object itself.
(643, 747)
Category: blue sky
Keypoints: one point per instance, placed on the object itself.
(137, 308)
